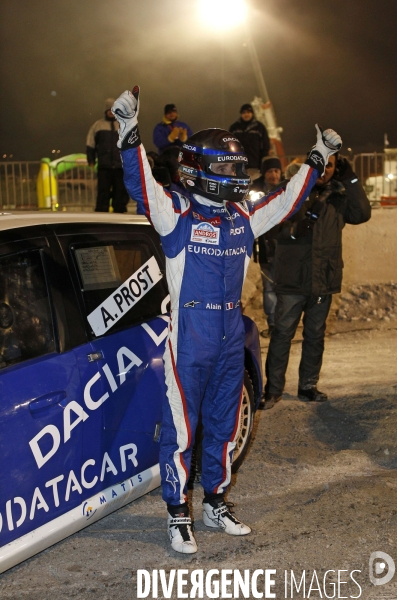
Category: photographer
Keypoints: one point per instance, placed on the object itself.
(308, 270)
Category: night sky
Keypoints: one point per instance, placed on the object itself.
(329, 62)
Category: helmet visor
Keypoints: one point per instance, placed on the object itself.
(229, 169)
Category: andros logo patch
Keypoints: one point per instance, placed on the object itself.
(205, 233)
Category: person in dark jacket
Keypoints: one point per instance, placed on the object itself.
(253, 136)
(170, 132)
(102, 145)
(307, 271)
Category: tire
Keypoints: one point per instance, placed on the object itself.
(244, 434)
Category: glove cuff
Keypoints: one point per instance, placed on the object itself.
(316, 161)
(132, 139)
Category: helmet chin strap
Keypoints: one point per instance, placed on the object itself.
(204, 194)
(207, 196)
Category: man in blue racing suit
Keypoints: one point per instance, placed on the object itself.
(207, 236)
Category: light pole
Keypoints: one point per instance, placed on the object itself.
(262, 106)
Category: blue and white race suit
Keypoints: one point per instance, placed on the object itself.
(208, 246)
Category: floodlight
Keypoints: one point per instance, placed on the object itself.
(222, 14)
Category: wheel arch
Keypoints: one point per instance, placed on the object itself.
(255, 374)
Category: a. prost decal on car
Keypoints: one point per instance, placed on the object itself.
(205, 233)
(125, 297)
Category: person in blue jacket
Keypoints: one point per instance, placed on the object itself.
(171, 131)
(207, 235)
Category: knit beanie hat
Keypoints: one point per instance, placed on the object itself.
(246, 107)
(169, 108)
(109, 103)
(270, 162)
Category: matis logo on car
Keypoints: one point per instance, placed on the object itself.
(205, 233)
(88, 511)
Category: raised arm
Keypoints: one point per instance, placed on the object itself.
(281, 204)
(357, 208)
(161, 208)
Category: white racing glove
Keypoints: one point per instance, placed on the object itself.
(328, 142)
(126, 109)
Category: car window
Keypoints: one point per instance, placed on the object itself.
(26, 329)
(103, 267)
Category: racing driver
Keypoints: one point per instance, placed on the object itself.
(207, 236)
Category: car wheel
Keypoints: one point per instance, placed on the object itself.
(246, 422)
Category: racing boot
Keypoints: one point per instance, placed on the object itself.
(180, 529)
(217, 514)
(312, 394)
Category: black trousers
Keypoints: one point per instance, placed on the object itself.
(289, 309)
(111, 186)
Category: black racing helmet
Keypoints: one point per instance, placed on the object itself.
(208, 147)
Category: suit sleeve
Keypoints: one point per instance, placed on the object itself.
(160, 136)
(91, 155)
(161, 208)
(265, 142)
(189, 131)
(282, 203)
(358, 208)
(91, 152)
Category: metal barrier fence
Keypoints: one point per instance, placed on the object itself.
(32, 185)
(18, 185)
(378, 173)
(72, 185)
(76, 186)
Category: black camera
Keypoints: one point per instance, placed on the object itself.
(314, 211)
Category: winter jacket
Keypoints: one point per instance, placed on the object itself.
(163, 130)
(102, 143)
(312, 262)
(253, 136)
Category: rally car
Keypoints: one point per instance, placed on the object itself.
(83, 324)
